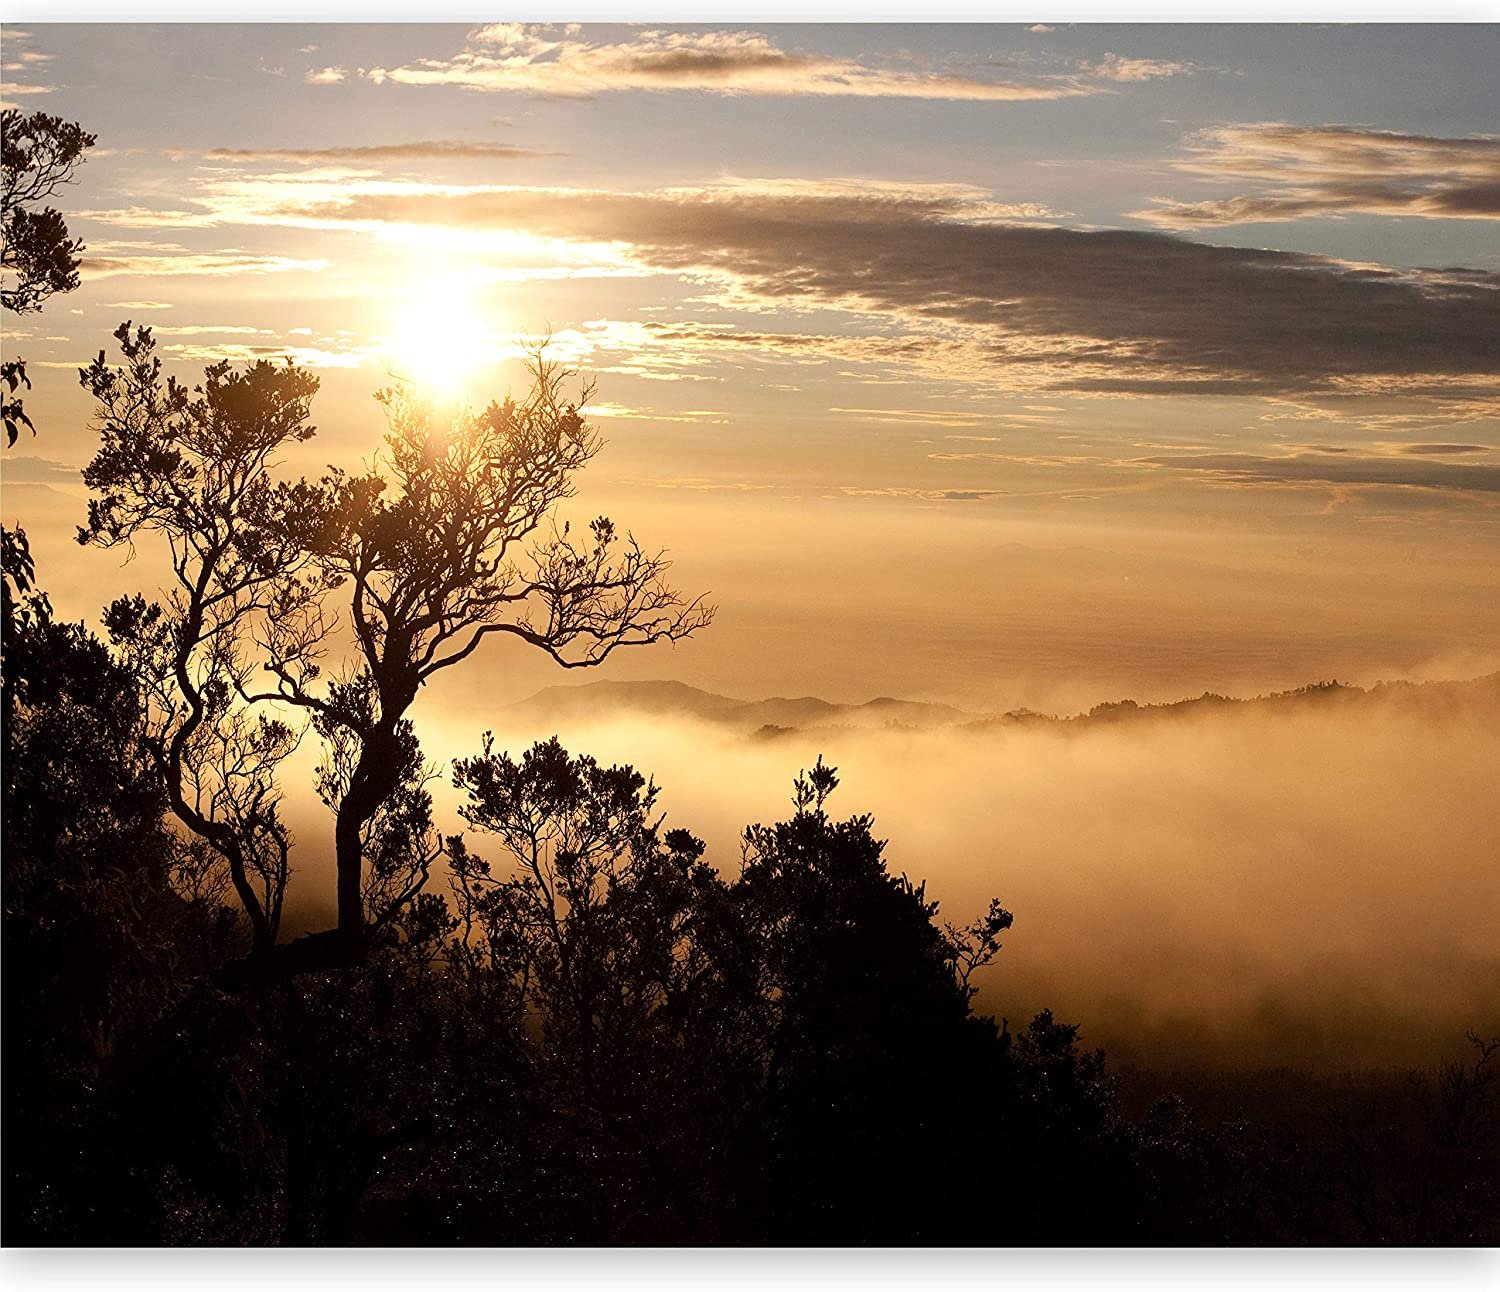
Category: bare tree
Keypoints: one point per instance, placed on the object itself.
(194, 467)
(452, 537)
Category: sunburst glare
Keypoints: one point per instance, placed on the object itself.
(440, 337)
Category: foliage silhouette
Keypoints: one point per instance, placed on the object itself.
(195, 468)
(38, 155)
(38, 257)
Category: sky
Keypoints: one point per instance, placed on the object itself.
(997, 365)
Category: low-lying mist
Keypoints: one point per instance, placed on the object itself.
(1300, 885)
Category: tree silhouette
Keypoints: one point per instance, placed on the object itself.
(194, 467)
(591, 928)
(107, 914)
(23, 605)
(38, 257)
(450, 538)
(869, 1042)
(778, 1056)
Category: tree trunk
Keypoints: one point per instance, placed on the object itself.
(375, 777)
(350, 853)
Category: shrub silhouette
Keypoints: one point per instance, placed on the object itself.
(39, 258)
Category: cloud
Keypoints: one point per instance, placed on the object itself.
(1442, 450)
(149, 259)
(26, 58)
(1115, 68)
(209, 329)
(1308, 171)
(702, 484)
(10, 88)
(1342, 470)
(541, 60)
(1385, 421)
(305, 356)
(21, 61)
(698, 416)
(145, 217)
(663, 351)
(34, 470)
(420, 150)
(926, 495)
(922, 416)
(1036, 307)
(325, 75)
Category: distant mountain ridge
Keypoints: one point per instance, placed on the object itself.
(677, 699)
(781, 715)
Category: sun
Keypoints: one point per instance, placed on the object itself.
(439, 338)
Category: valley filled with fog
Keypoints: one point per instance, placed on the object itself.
(1303, 880)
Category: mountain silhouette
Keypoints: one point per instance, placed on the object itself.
(780, 715)
(678, 700)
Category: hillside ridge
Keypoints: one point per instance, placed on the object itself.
(777, 714)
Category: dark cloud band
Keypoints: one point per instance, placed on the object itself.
(1250, 468)
(1112, 311)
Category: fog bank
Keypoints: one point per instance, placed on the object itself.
(1311, 885)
